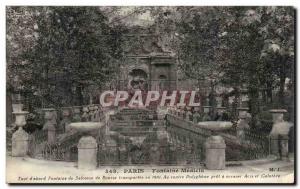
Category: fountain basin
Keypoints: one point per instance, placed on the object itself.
(86, 126)
(215, 125)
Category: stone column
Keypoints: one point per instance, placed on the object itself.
(20, 143)
(87, 153)
(215, 153)
(20, 139)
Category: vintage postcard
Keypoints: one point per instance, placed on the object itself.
(150, 94)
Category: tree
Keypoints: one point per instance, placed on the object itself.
(249, 42)
(277, 56)
(75, 48)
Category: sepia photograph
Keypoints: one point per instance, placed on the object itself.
(150, 94)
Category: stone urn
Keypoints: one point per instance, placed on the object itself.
(17, 107)
(277, 115)
(20, 118)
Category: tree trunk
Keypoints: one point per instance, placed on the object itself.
(254, 105)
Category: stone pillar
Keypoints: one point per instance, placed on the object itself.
(279, 134)
(87, 153)
(215, 153)
(20, 143)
